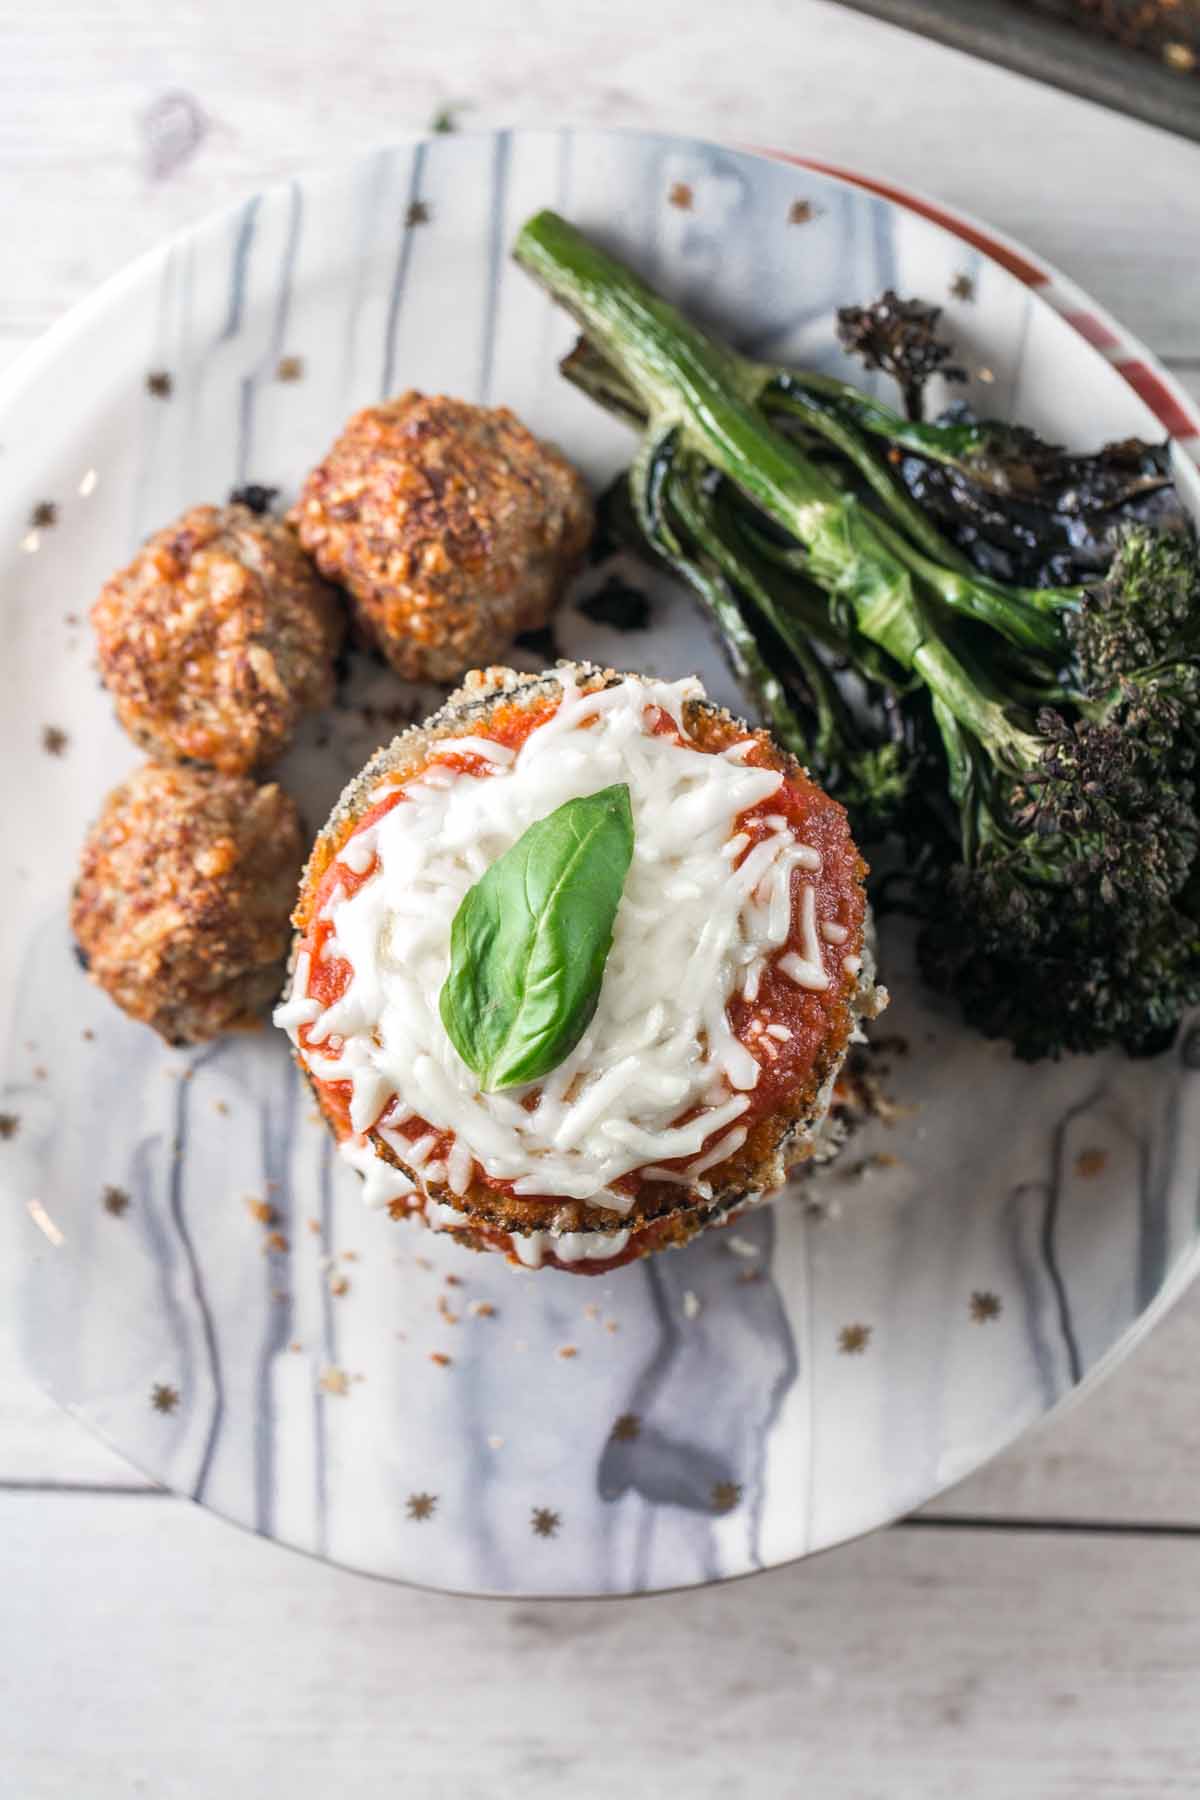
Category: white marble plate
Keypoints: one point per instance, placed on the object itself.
(1031, 1222)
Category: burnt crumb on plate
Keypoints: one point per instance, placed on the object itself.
(725, 1496)
(289, 368)
(801, 212)
(54, 740)
(163, 1397)
(985, 1307)
(81, 956)
(115, 1201)
(544, 1521)
(160, 384)
(619, 605)
(419, 213)
(10, 1124)
(258, 498)
(853, 1339)
(681, 196)
(44, 514)
(422, 1506)
(962, 288)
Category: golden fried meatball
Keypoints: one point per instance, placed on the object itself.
(217, 638)
(181, 907)
(450, 525)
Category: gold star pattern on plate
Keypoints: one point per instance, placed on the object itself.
(163, 1397)
(159, 383)
(985, 1306)
(800, 212)
(627, 1427)
(290, 368)
(544, 1522)
(419, 213)
(422, 1506)
(725, 1496)
(54, 740)
(962, 288)
(853, 1339)
(681, 196)
(9, 1125)
(115, 1201)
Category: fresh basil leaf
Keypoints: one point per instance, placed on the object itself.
(530, 940)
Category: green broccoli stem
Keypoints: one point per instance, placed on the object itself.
(699, 396)
(646, 480)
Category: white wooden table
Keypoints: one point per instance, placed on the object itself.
(1035, 1633)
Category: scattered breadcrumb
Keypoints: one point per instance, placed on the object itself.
(853, 1339)
(725, 1495)
(440, 1358)
(445, 1310)
(962, 288)
(591, 1310)
(275, 1243)
(627, 1427)
(159, 383)
(800, 212)
(314, 1225)
(262, 1210)
(481, 1309)
(44, 514)
(419, 213)
(10, 1124)
(219, 1106)
(163, 1397)
(740, 1246)
(115, 1201)
(334, 1381)
(54, 740)
(450, 1280)
(290, 368)
(295, 1346)
(349, 1255)
(691, 1305)
(567, 1351)
(339, 1286)
(1090, 1163)
(985, 1306)
(495, 1443)
(422, 1506)
(681, 196)
(544, 1521)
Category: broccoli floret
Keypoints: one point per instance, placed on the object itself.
(900, 337)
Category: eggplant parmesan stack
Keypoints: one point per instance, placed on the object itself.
(499, 1054)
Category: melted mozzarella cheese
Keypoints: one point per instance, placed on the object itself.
(659, 1069)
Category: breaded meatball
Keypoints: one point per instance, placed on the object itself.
(217, 638)
(450, 525)
(181, 907)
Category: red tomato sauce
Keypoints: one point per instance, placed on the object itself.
(784, 1064)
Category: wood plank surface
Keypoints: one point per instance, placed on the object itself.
(164, 1654)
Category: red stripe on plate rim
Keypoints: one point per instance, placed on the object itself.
(1156, 391)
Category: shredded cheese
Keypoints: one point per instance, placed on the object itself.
(701, 916)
